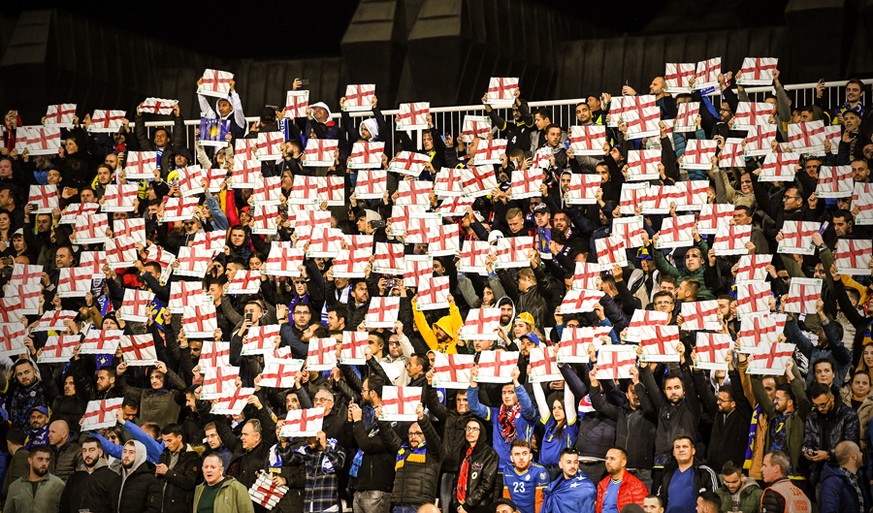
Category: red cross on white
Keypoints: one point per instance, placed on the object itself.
(120, 252)
(611, 251)
(119, 198)
(835, 182)
(713, 215)
(676, 232)
(101, 341)
(712, 350)
(366, 155)
(759, 140)
(215, 355)
(642, 318)
(280, 372)
(478, 181)
(215, 83)
(58, 349)
(61, 114)
(331, 190)
(752, 114)
(265, 492)
(353, 345)
(700, 315)
(42, 140)
(473, 256)
(779, 167)
(232, 404)
(444, 240)
(797, 237)
(481, 324)
(414, 192)
(659, 343)
(415, 267)
(642, 165)
(575, 342)
(388, 258)
(100, 414)
(131, 228)
(455, 207)
(265, 219)
(305, 422)
(325, 243)
(632, 195)
(587, 140)
(199, 320)
(409, 163)
(352, 261)
(770, 359)
(686, 118)
(496, 366)
(269, 146)
(757, 71)
(617, 106)
(732, 154)
(579, 301)
(615, 362)
(586, 276)
(753, 267)
(11, 310)
(543, 365)
(452, 371)
(489, 151)
(135, 306)
(93, 261)
(448, 182)
(138, 350)
(158, 106)
(179, 209)
(215, 177)
(44, 198)
(853, 256)
(322, 354)
(73, 210)
(296, 103)
(267, 191)
(245, 172)
(731, 239)
(399, 403)
(582, 189)
(245, 282)
(807, 136)
(642, 117)
(526, 183)
(512, 252)
(193, 261)
(74, 282)
(758, 329)
(382, 313)
(211, 241)
(28, 295)
(862, 199)
(246, 148)
(677, 76)
(753, 297)
(501, 92)
(802, 295)
(23, 274)
(12, 335)
(190, 180)
(54, 320)
(475, 127)
(433, 292)
(371, 184)
(707, 73)
(698, 154)
(413, 116)
(304, 190)
(106, 121)
(184, 293)
(359, 97)
(218, 380)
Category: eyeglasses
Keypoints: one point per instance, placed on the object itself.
(394, 343)
(322, 400)
(790, 197)
(663, 303)
(415, 433)
(471, 429)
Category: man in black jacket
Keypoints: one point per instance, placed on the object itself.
(177, 471)
(138, 490)
(372, 470)
(90, 488)
(418, 462)
(732, 414)
(476, 486)
(685, 479)
(251, 451)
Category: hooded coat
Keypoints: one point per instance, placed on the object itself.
(138, 490)
(450, 324)
(482, 485)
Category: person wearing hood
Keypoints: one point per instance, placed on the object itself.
(228, 110)
(161, 141)
(370, 130)
(476, 485)
(90, 487)
(442, 335)
(320, 123)
(737, 492)
(138, 490)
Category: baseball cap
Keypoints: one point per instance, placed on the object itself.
(525, 317)
(534, 339)
(541, 208)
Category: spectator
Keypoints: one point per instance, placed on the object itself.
(92, 485)
(370, 476)
(781, 496)
(219, 493)
(829, 423)
(176, 471)
(685, 477)
(476, 484)
(67, 453)
(620, 487)
(38, 490)
(843, 488)
(18, 465)
(572, 490)
(524, 481)
(737, 492)
(138, 490)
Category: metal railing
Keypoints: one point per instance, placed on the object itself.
(449, 120)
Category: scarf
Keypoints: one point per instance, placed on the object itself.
(463, 476)
(853, 478)
(411, 454)
(506, 418)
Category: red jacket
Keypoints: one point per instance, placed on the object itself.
(631, 491)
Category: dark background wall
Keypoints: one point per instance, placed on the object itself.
(442, 51)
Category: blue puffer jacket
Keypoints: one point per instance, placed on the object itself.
(838, 495)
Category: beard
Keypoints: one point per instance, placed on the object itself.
(41, 472)
(127, 464)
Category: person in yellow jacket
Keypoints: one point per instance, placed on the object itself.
(442, 336)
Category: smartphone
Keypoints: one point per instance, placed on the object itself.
(249, 317)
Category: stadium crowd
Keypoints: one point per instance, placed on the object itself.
(682, 428)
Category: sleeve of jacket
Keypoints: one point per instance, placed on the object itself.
(374, 445)
(185, 477)
(829, 502)
(602, 405)
(434, 442)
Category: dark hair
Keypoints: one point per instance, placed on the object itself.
(422, 360)
(693, 286)
(667, 278)
(307, 305)
(544, 113)
(551, 126)
(92, 440)
(785, 388)
(16, 436)
(379, 338)
(730, 468)
(174, 429)
(339, 311)
(655, 497)
(567, 450)
(505, 502)
(845, 214)
(375, 383)
(711, 499)
(818, 389)
(826, 360)
(519, 442)
(683, 436)
(619, 449)
(40, 448)
(131, 401)
(857, 82)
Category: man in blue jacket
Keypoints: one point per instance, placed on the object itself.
(842, 489)
(572, 491)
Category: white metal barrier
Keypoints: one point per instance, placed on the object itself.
(448, 120)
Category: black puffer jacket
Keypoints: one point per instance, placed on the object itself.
(140, 492)
(92, 492)
(377, 466)
(179, 482)
(635, 431)
(822, 432)
(245, 464)
(415, 481)
(482, 486)
(454, 425)
(674, 419)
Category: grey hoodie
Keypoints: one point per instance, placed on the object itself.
(138, 460)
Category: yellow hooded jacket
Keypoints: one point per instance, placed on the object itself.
(449, 323)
